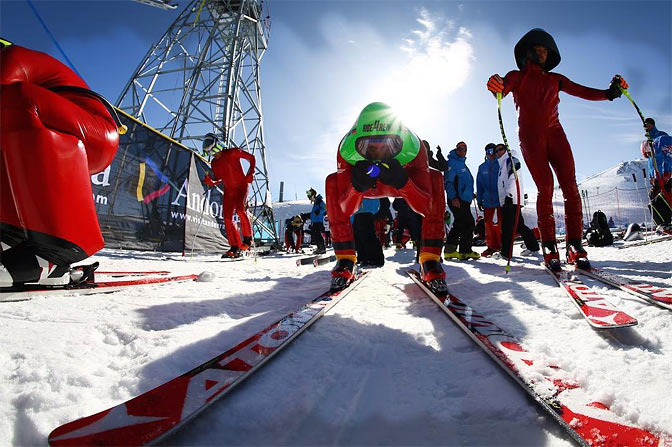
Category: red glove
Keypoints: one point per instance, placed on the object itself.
(618, 79)
(495, 84)
(208, 181)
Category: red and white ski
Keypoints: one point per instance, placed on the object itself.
(155, 414)
(595, 308)
(588, 422)
(653, 294)
(27, 292)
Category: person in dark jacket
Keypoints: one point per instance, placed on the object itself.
(439, 163)
(487, 199)
(317, 220)
(293, 233)
(459, 185)
(542, 139)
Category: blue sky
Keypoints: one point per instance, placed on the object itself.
(429, 59)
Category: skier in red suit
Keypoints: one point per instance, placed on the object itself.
(380, 157)
(542, 139)
(55, 133)
(228, 171)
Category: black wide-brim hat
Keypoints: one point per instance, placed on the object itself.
(537, 36)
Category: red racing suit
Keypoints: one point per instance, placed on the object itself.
(544, 144)
(52, 140)
(424, 193)
(228, 171)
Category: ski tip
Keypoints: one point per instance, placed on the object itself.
(206, 276)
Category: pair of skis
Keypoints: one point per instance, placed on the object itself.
(595, 308)
(587, 422)
(157, 413)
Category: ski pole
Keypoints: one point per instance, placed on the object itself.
(515, 176)
(649, 140)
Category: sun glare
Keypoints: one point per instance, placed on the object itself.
(435, 61)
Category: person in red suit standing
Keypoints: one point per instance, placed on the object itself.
(227, 171)
(54, 133)
(380, 157)
(542, 139)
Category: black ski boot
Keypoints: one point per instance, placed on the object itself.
(551, 256)
(434, 277)
(342, 274)
(577, 255)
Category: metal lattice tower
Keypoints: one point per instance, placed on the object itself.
(203, 76)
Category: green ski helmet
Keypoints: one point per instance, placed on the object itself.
(378, 123)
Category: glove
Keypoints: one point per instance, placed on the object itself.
(614, 91)
(208, 180)
(495, 84)
(438, 150)
(393, 174)
(360, 178)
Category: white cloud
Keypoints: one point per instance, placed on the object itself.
(435, 60)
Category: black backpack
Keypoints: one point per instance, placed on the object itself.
(599, 234)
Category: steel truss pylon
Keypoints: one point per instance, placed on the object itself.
(203, 76)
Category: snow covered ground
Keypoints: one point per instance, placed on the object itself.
(383, 367)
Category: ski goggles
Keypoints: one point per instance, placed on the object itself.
(379, 147)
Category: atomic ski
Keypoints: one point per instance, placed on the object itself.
(652, 294)
(595, 308)
(28, 291)
(588, 422)
(155, 414)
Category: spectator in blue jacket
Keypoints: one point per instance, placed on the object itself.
(487, 198)
(661, 200)
(654, 133)
(317, 220)
(459, 184)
